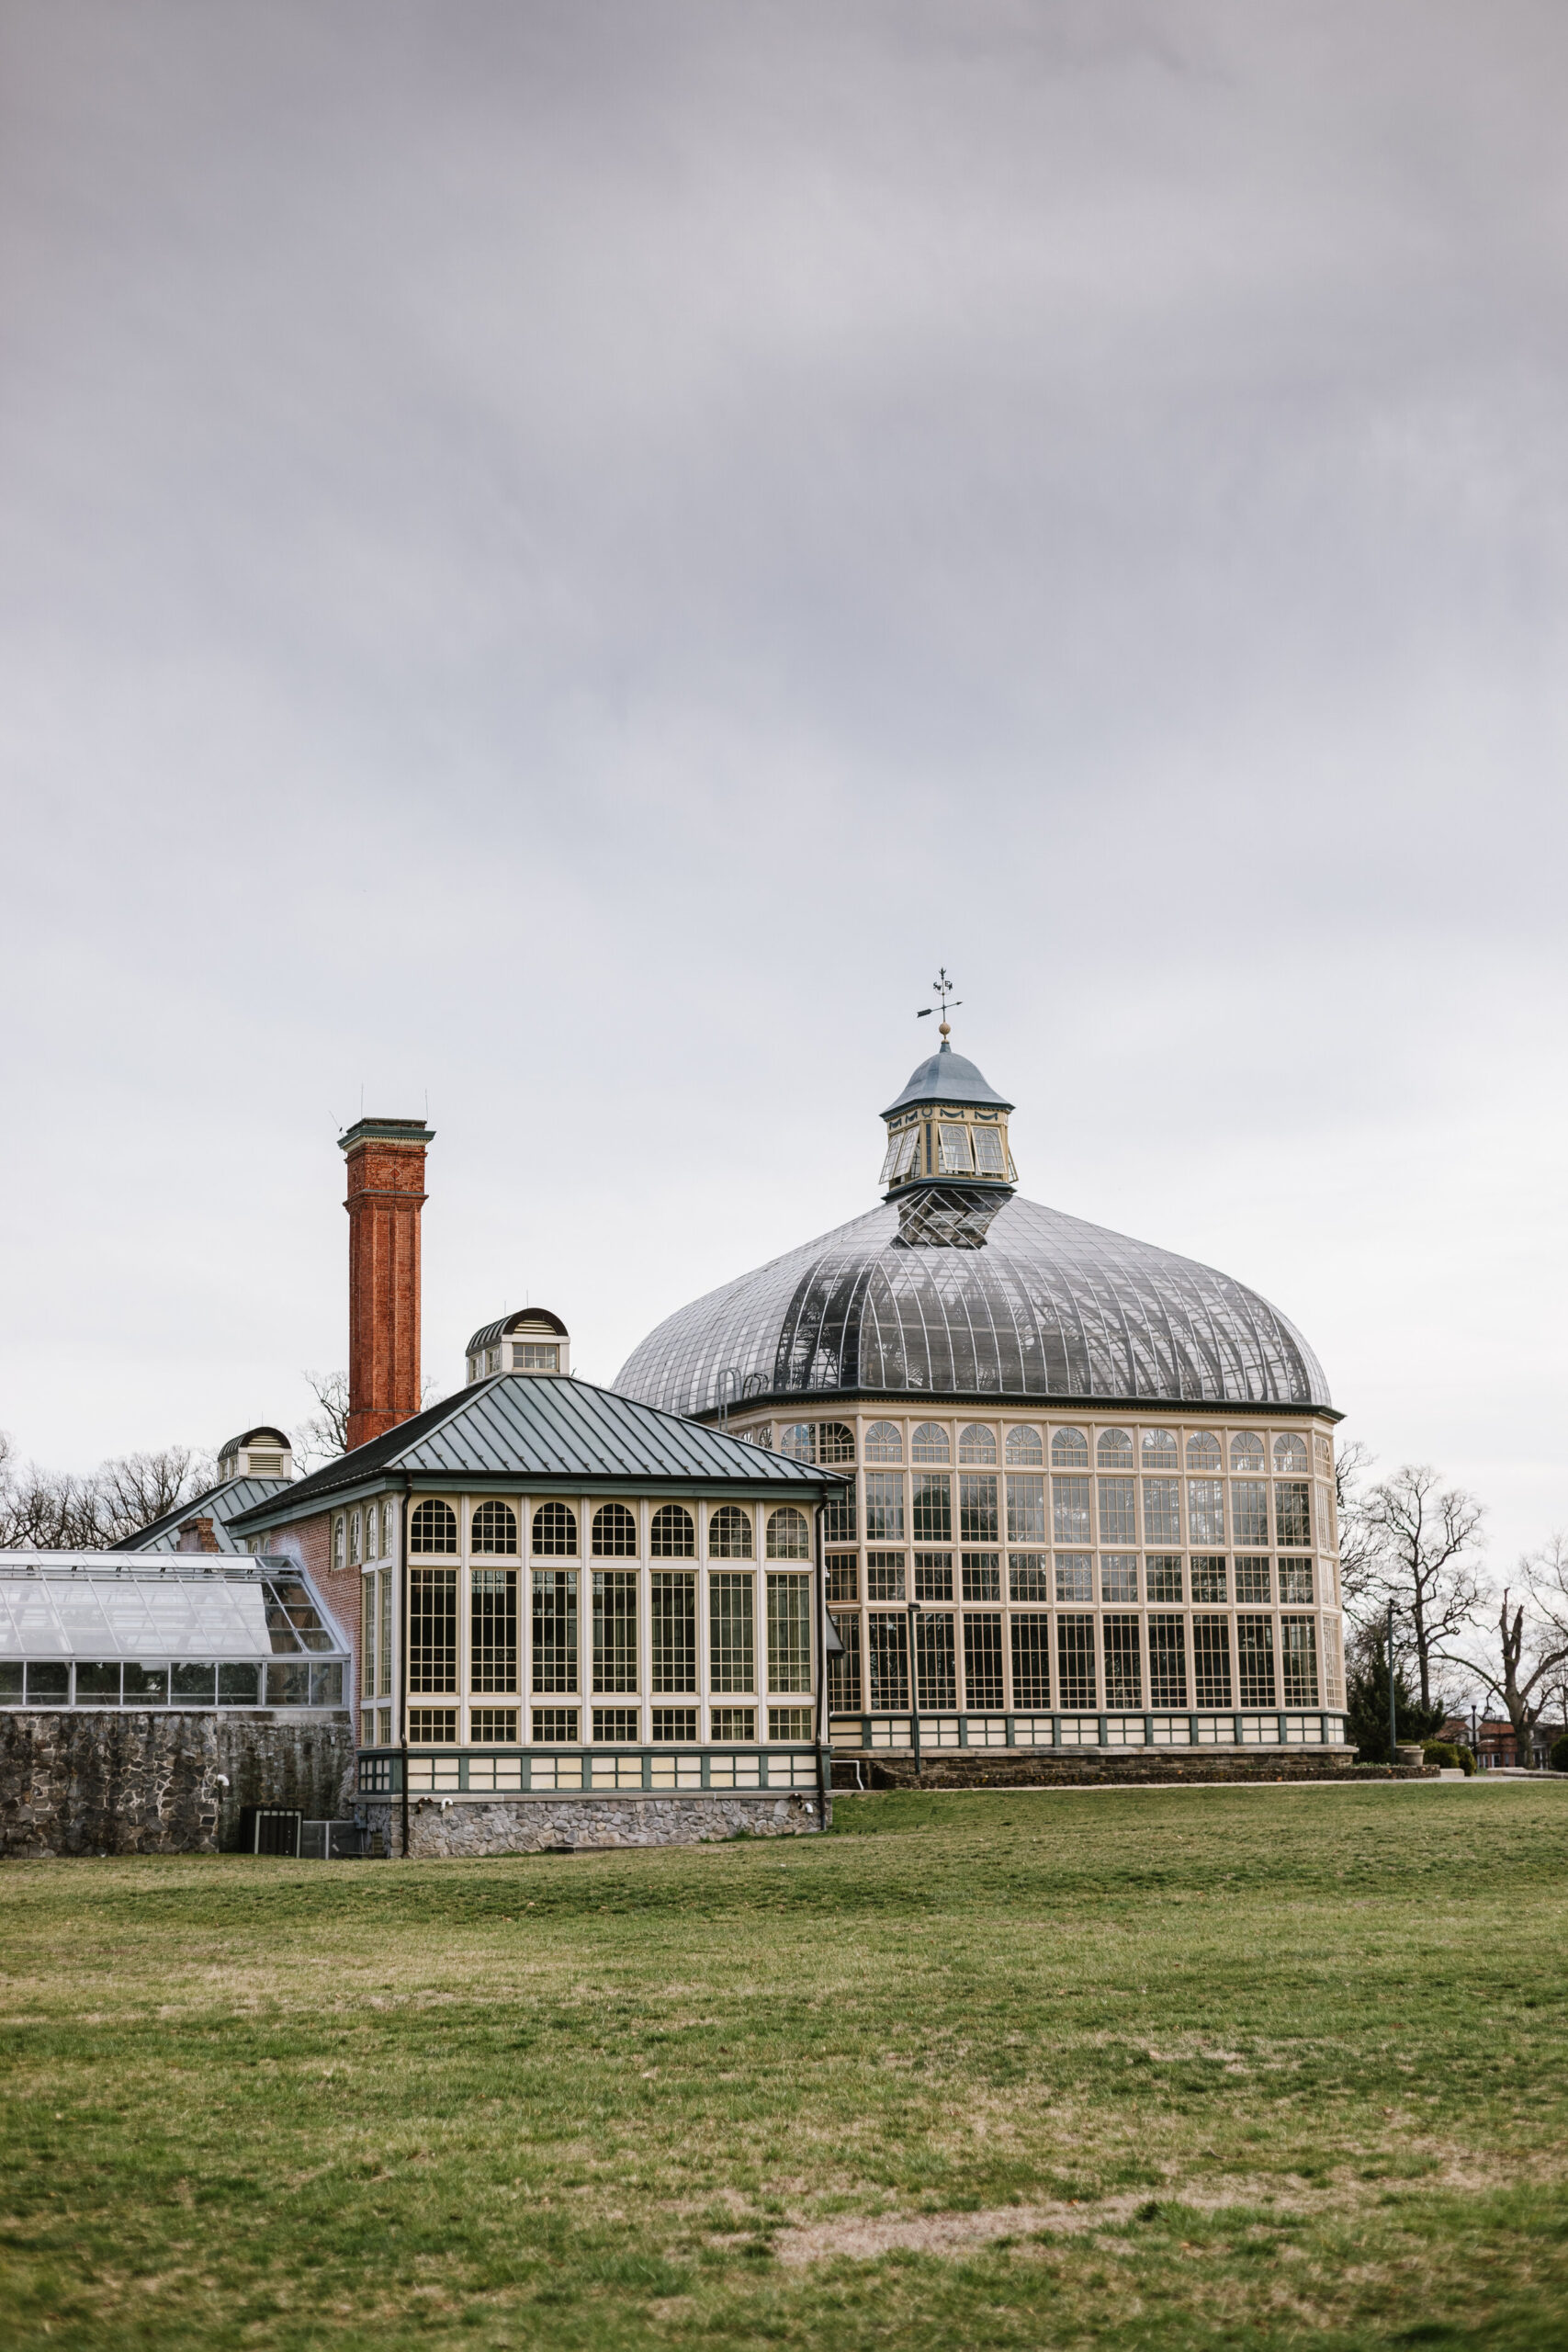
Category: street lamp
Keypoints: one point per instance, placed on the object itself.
(914, 1612)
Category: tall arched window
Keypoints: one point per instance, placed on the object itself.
(1024, 1447)
(555, 1532)
(615, 1533)
(1246, 1451)
(835, 1442)
(673, 1536)
(789, 1538)
(884, 1443)
(729, 1534)
(495, 1528)
(1203, 1451)
(1114, 1450)
(929, 1443)
(795, 1439)
(1070, 1449)
(1159, 1450)
(1290, 1454)
(432, 1528)
(976, 1443)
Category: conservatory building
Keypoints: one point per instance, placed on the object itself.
(1087, 1519)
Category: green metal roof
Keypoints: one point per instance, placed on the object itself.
(222, 1504)
(538, 1428)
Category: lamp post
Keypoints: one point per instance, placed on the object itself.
(1393, 1720)
(914, 1611)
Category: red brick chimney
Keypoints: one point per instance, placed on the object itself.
(386, 1193)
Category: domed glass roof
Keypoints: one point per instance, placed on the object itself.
(959, 1294)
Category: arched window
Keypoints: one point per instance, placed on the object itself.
(789, 1538)
(1323, 1449)
(1113, 1449)
(1159, 1450)
(1246, 1451)
(729, 1534)
(929, 1443)
(555, 1532)
(615, 1533)
(1070, 1449)
(1203, 1451)
(432, 1528)
(1024, 1447)
(835, 1442)
(976, 1443)
(674, 1535)
(1290, 1454)
(884, 1443)
(495, 1529)
(353, 1539)
(795, 1439)
(339, 1526)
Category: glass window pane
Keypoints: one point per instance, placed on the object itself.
(888, 1644)
(674, 1610)
(195, 1684)
(732, 1650)
(554, 1630)
(789, 1632)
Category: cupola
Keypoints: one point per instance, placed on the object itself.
(948, 1126)
(531, 1341)
(263, 1452)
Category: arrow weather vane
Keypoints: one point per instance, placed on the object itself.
(942, 989)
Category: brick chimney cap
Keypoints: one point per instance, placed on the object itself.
(385, 1131)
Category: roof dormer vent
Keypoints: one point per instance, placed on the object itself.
(532, 1340)
(261, 1453)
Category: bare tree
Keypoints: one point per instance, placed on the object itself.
(1352, 1468)
(1526, 1670)
(133, 1490)
(325, 1435)
(59, 1511)
(1423, 1554)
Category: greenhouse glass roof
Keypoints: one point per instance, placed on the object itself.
(84, 1605)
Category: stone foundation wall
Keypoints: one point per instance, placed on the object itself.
(83, 1783)
(1091, 1767)
(564, 1824)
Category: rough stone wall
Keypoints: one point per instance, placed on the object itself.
(541, 1825)
(982, 1768)
(83, 1782)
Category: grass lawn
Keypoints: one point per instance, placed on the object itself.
(1241, 2068)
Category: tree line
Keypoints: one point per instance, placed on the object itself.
(1413, 1546)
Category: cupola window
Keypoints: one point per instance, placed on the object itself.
(954, 1155)
(535, 1355)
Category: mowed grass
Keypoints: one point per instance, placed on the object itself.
(1241, 2068)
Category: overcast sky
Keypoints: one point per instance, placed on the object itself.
(559, 559)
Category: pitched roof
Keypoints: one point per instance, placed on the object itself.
(222, 1504)
(545, 1426)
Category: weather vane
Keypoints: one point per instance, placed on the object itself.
(944, 989)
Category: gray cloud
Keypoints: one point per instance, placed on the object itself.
(565, 556)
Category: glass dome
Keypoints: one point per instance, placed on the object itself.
(958, 1294)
